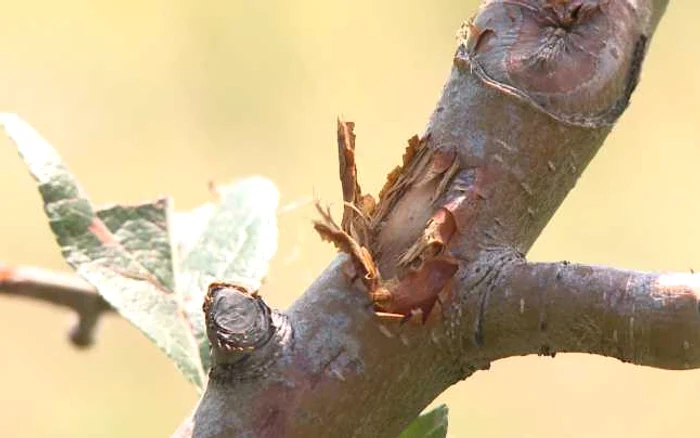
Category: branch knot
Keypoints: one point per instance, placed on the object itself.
(245, 334)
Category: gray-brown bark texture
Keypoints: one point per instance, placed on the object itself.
(432, 284)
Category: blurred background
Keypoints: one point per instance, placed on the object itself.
(152, 97)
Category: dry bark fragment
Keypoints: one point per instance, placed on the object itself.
(358, 207)
(437, 234)
(420, 289)
(361, 257)
(424, 268)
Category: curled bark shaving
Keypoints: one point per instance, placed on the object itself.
(358, 207)
(363, 262)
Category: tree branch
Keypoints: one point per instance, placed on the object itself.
(433, 285)
(61, 289)
(535, 89)
(643, 318)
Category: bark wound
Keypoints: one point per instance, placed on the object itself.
(414, 257)
(358, 207)
(561, 56)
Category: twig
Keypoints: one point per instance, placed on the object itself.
(58, 288)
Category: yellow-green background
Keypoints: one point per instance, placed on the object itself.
(150, 97)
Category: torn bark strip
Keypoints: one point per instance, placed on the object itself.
(358, 207)
(433, 242)
(360, 255)
(413, 288)
(417, 293)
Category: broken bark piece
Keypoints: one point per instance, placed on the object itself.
(415, 317)
(358, 207)
(447, 177)
(424, 271)
(434, 240)
(440, 162)
(361, 257)
(420, 289)
(346, 160)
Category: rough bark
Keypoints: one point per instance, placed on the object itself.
(535, 89)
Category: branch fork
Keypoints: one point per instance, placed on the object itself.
(534, 91)
(535, 88)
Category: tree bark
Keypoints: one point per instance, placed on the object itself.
(433, 284)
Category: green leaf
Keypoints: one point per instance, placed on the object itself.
(143, 231)
(235, 246)
(122, 251)
(432, 424)
(151, 265)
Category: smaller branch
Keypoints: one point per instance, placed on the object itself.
(58, 288)
(645, 318)
(244, 333)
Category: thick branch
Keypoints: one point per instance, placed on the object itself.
(535, 89)
(643, 318)
(61, 289)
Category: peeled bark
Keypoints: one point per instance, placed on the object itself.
(433, 284)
